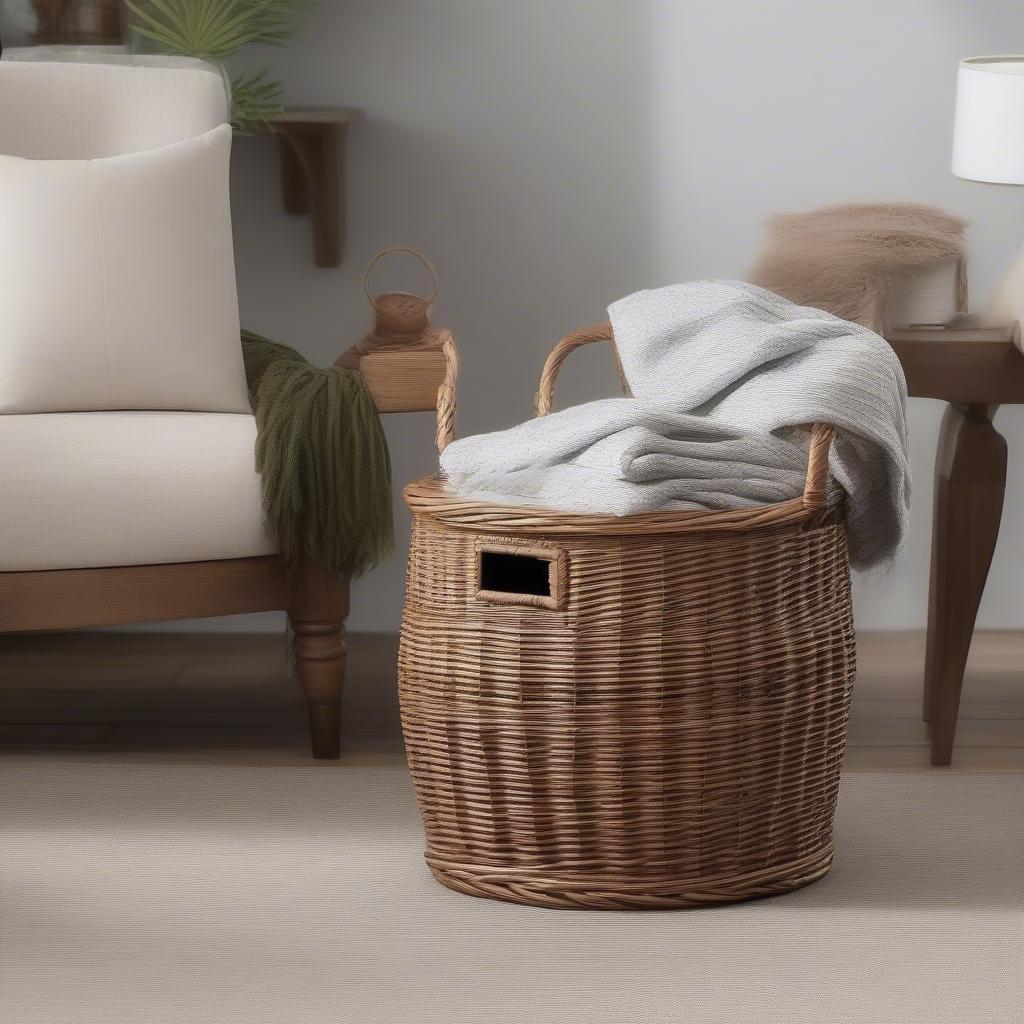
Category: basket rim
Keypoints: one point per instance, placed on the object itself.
(431, 496)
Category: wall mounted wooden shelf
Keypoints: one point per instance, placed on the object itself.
(311, 141)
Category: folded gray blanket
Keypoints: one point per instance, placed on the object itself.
(726, 379)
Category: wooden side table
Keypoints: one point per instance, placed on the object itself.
(974, 371)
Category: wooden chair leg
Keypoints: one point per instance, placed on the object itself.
(969, 489)
(318, 608)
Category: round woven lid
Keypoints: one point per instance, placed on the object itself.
(432, 496)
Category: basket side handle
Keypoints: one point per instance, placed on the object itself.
(585, 336)
(815, 495)
(816, 488)
(447, 399)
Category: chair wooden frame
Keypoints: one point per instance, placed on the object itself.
(317, 603)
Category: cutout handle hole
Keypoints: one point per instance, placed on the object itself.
(506, 573)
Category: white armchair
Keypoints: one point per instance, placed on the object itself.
(125, 517)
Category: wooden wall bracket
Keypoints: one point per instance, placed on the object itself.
(311, 142)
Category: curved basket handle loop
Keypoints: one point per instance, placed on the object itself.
(411, 252)
(816, 488)
(815, 495)
(585, 336)
(447, 393)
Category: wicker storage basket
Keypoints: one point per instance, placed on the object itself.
(647, 711)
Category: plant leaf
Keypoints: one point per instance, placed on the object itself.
(255, 102)
(215, 29)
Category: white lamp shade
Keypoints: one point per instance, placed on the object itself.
(988, 136)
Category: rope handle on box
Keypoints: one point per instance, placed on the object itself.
(815, 490)
(389, 252)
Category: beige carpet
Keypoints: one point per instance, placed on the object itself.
(223, 893)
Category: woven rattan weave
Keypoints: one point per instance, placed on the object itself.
(641, 712)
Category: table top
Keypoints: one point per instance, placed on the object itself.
(968, 365)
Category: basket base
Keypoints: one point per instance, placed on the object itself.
(603, 894)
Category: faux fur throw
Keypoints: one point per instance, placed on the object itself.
(851, 260)
(726, 377)
(323, 460)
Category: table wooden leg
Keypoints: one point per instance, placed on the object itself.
(970, 480)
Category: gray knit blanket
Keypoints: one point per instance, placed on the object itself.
(726, 379)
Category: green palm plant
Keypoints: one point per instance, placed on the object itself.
(255, 102)
(214, 30)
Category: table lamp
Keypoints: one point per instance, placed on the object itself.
(988, 145)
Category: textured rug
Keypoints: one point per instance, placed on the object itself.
(214, 893)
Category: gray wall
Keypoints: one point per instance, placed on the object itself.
(553, 155)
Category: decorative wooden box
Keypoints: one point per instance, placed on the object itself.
(404, 380)
(403, 359)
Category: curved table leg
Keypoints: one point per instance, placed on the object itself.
(970, 480)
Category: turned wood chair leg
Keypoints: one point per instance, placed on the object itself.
(318, 608)
(970, 481)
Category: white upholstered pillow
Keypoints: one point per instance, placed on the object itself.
(117, 282)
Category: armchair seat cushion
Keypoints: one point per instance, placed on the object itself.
(91, 489)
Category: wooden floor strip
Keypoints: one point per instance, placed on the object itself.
(230, 695)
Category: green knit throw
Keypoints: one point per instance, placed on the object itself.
(323, 460)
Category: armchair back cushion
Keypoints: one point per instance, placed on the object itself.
(81, 103)
(117, 282)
